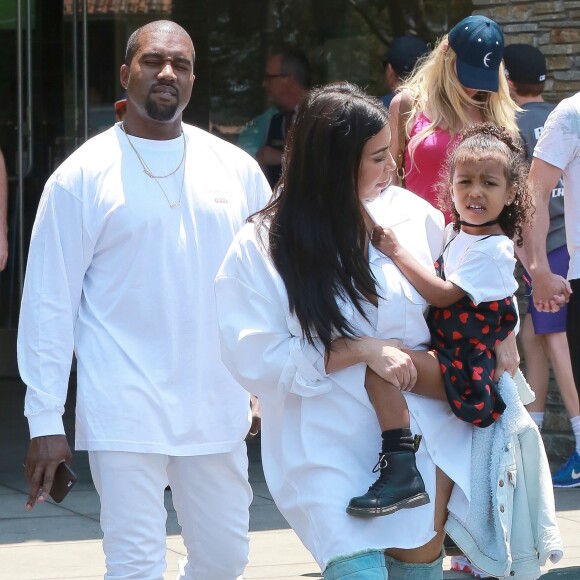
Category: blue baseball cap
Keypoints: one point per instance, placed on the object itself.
(478, 43)
(404, 53)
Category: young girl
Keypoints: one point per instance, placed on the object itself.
(472, 305)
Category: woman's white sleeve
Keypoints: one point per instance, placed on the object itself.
(257, 345)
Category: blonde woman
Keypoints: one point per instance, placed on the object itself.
(459, 83)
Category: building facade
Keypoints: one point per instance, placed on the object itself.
(553, 26)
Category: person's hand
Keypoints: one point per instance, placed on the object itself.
(3, 251)
(43, 457)
(267, 155)
(507, 357)
(384, 240)
(256, 418)
(554, 304)
(550, 291)
(390, 363)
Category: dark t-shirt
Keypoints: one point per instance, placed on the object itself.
(386, 100)
(275, 138)
(530, 123)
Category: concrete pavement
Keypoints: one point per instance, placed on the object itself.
(63, 541)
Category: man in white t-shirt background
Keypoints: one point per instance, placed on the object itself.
(557, 153)
(543, 334)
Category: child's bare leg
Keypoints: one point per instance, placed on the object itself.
(388, 401)
(432, 550)
(429, 378)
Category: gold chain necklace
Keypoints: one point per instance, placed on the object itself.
(146, 169)
(156, 178)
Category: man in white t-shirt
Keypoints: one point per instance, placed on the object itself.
(130, 233)
(558, 152)
(543, 334)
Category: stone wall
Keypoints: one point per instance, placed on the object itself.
(553, 26)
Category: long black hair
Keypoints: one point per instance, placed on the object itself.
(316, 230)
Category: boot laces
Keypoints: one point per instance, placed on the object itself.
(381, 466)
(381, 463)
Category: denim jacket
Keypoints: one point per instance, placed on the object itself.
(510, 528)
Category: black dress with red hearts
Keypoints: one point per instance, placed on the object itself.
(464, 335)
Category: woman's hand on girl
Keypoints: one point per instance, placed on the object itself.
(390, 363)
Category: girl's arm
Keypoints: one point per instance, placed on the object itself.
(436, 291)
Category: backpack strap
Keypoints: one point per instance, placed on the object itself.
(405, 106)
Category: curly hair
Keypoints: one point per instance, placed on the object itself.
(485, 141)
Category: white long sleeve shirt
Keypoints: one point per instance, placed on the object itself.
(320, 434)
(127, 282)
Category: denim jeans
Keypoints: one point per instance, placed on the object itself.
(365, 565)
(397, 570)
(375, 565)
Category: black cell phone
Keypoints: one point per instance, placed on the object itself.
(64, 481)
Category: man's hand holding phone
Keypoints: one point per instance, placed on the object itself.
(45, 455)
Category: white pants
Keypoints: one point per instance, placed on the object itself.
(211, 495)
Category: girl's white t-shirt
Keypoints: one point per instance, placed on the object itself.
(483, 266)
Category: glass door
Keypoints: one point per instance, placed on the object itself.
(59, 80)
(44, 116)
(50, 103)
(16, 134)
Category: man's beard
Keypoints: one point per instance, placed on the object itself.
(158, 113)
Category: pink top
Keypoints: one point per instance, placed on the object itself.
(428, 157)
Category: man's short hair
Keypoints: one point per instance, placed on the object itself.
(295, 64)
(155, 26)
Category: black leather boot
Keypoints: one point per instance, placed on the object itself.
(399, 485)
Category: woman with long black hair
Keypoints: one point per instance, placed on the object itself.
(304, 305)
